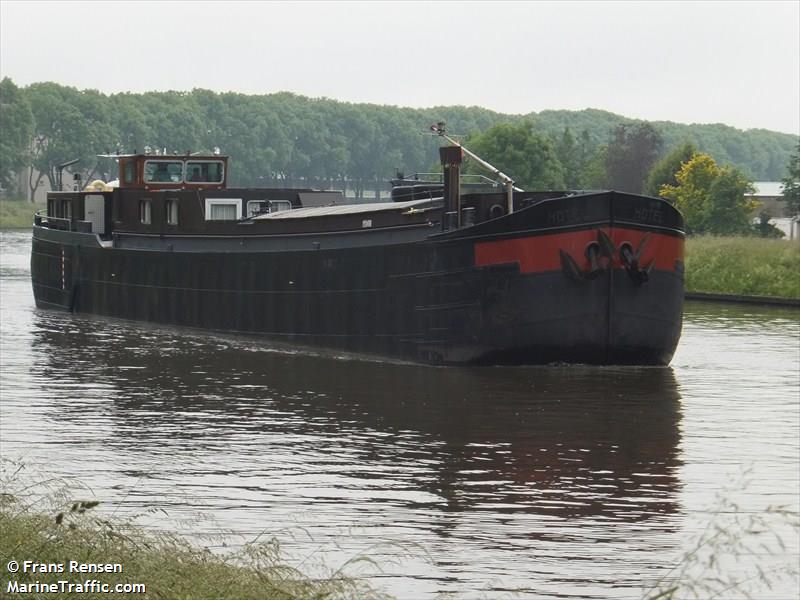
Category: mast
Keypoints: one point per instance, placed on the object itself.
(509, 183)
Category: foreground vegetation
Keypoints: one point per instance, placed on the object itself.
(737, 553)
(52, 528)
(17, 213)
(746, 266)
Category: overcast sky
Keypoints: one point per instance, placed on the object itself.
(717, 62)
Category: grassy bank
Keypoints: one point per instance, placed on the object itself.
(53, 530)
(17, 213)
(743, 266)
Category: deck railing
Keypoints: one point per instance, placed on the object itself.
(41, 219)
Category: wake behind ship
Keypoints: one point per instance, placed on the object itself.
(444, 273)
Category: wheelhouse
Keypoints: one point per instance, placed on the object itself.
(173, 172)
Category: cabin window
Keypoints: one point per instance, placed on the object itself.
(60, 209)
(163, 171)
(129, 173)
(279, 205)
(257, 207)
(204, 171)
(145, 211)
(172, 211)
(223, 209)
(261, 207)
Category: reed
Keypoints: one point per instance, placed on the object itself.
(17, 214)
(43, 523)
(746, 266)
(739, 553)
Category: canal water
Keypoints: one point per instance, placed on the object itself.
(528, 482)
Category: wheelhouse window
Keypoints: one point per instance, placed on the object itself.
(129, 174)
(204, 171)
(145, 209)
(172, 211)
(223, 209)
(163, 171)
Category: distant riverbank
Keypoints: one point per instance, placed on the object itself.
(17, 214)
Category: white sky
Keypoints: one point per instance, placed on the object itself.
(736, 63)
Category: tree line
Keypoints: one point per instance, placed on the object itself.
(283, 138)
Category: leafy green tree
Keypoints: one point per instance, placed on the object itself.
(587, 153)
(176, 119)
(250, 130)
(16, 125)
(583, 161)
(526, 156)
(664, 171)
(68, 124)
(631, 153)
(759, 153)
(730, 212)
(133, 124)
(569, 154)
(712, 198)
(593, 175)
(763, 228)
(791, 184)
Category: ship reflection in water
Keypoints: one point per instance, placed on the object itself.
(501, 474)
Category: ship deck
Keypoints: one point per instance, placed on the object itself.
(346, 209)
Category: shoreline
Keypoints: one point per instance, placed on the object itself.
(741, 299)
(59, 537)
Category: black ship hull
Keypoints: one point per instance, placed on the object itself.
(548, 283)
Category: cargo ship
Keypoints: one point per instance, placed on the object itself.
(443, 273)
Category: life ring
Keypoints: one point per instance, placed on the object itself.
(98, 185)
(496, 211)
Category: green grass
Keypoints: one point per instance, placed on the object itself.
(15, 214)
(745, 266)
(50, 527)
